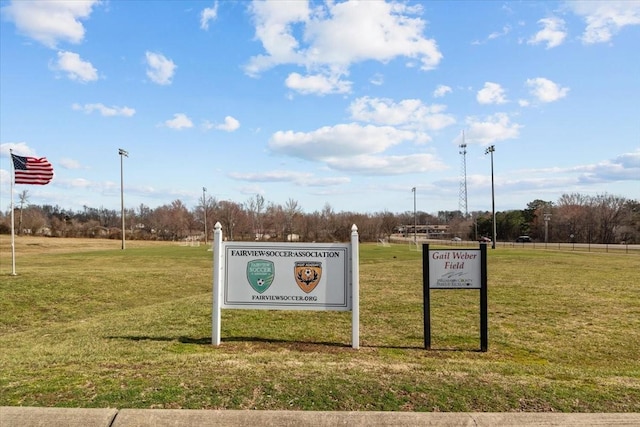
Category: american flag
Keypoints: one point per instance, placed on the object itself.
(32, 170)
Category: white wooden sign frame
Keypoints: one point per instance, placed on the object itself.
(285, 276)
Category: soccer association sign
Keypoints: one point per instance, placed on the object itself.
(303, 276)
(286, 276)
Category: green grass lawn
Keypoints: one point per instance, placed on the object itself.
(85, 324)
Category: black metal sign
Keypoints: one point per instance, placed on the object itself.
(455, 269)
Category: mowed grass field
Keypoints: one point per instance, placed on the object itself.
(86, 324)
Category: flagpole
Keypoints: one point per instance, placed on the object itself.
(13, 240)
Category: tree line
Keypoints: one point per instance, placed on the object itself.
(572, 218)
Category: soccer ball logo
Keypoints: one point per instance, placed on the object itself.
(307, 274)
(260, 274)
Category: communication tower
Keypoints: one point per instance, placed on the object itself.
(463, 178)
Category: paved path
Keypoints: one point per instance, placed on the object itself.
(11, 416)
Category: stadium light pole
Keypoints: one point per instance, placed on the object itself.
(204, 207)
(490, 150)
(547, 218)
(415, 221)
(122, 154)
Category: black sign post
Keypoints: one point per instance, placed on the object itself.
(455, 269)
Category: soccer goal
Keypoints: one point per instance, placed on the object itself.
(383, 242)
(192, 241)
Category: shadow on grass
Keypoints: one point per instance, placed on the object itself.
(207, 340)
(432, 349)
(140, 338)
(300, 345)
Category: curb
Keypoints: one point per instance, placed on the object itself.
(110, 417)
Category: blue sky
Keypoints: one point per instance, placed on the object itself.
(347, 103)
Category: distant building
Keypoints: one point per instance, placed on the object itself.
(429, 231)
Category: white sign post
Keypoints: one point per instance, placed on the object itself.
(285, 276)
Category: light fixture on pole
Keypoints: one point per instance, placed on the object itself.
(415, 221)
(490, 150)
(204, 208)
(122, 154)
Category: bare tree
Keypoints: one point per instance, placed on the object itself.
(172, 222)
(255, 208)
(327, 217)
(34, 219)
(608, 213)
(205, 213)
(388, 222)
(291, 212)
(230, 214)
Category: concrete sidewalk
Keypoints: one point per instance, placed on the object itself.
(11, 416)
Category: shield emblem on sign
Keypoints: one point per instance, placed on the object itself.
(307, 274)
(260, 274)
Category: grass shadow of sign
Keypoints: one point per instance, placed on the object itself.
(262, 342)
(140, 338)
(292, 344)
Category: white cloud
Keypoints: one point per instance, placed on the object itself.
(387, 165)
(377, 79)
(5, 177)
(75, 67)
(605, 18)
(230, 124)
(491, 93)
(208, 14)
(329, 38)
(625, 167)
(84, 183)
(408, 113)
(274, 30)
(269, 176)
(50, 22)
(545, 90)
(441, 91)
(19, 148)
(360, 31)
(629, 160)
(497, 34)
(325, 182)
(317, 84)
(104, 110)
(553, 32)
(69, 163)
(298, 178)
(497, 127)
(161, 69)
(179, 121)
(344, 140)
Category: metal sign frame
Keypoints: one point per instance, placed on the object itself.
(455, 269)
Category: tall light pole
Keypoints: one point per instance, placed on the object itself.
(204, 207)
(415, 221)
(490, 150)
(122, 154)
(547, 218)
